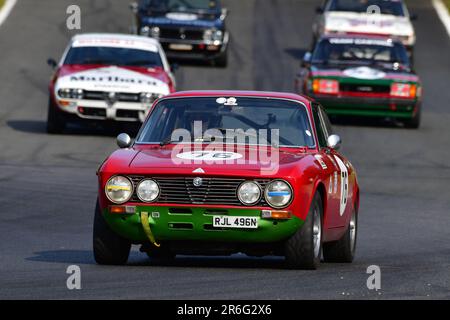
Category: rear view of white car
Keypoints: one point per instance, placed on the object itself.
(388, 18)
(107, 77)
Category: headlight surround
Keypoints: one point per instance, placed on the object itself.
(212, 35)
(155, 32)
(403, 90)
(67, 93)
(148, 97)
(217, 35)
(119, 189)
(249, 193)
(326, 86)
(278, 194)
(148, 190)
(145, 31)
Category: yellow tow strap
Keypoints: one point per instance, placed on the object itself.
(147, 230)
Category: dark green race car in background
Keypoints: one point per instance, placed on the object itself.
(362, 76)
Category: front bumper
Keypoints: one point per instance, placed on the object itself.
(361, 106)
(101, 110)
(194, 49)
(175, 223)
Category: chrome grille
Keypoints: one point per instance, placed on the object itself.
(181, 34)
(120, 96)
(369, 88)
(214, 191)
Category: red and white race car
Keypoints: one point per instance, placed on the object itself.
(107, 77)
(389, 18)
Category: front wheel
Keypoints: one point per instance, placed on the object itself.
(56, 122)
(414, 122)
(343, 250)
(304, 249)
(109, 247)
(222, 60)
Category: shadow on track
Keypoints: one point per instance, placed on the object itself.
(64, 256)
(137, 259)
(234, 261)
(110, 129)
(366, 122)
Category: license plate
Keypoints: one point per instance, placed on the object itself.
(181, 47)
(235, 222)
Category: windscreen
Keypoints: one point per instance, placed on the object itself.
(113, 56)
(364, 51)
(179, 5)
(230, 117)
(386, 7)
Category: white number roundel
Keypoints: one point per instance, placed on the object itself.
(344, 185)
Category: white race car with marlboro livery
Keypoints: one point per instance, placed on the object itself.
(107, 77)
(388, 18)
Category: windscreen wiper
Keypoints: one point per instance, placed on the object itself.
(167, 141)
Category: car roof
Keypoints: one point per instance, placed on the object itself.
(118, 36)
(241, 93)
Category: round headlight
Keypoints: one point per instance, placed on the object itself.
(145, 31)
(147, 97)
(154, 32)
(119, 189)
(249, 193)
(64, 93)
(217, 35)
(278, 194)
(147, 190)
(77, 94)
(207, 35)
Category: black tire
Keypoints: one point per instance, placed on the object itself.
(414, 122)
(109, 247)
(56, 122)
(343, 250)
(222, 60)
(313, 43)
(300, 249)
(411, 57)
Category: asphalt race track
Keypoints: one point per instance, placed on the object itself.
(48, 182)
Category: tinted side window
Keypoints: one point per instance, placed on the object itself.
(321, 134)
(326, 122)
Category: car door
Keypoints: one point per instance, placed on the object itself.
(341, 192)
(330, 168)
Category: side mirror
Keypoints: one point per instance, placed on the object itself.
(123, 140)
(224, 13)
(52, 63)
(319, 10)
(134, 7)
(306, 59)
(334, 142)
(413, 17)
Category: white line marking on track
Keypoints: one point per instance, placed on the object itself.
(443, 14)
(6, 10)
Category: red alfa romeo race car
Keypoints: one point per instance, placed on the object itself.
(107, 77)
(221, 172)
